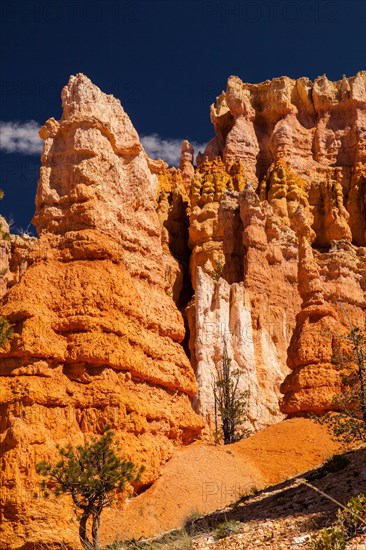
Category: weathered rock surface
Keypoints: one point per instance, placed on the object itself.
(262, 245)
(97, 337)
(5, 250)
(278, 257)
(249, 274)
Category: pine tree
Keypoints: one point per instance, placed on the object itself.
(230, 403)
(349, 356)
(5, 331)
(91, 475)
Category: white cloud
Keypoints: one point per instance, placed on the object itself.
(20, 137)
(167, 149)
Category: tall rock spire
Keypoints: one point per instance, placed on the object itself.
(97, 336)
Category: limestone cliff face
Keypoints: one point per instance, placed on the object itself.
(286, 255)
(97, 335)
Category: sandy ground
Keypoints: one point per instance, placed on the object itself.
(287, 515)
(202, 478)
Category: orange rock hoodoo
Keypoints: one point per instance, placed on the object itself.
(139, 266)
(292, 243)
(97, 337)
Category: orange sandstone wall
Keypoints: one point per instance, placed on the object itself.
(97, 336)
(140, 272)
(278, 210)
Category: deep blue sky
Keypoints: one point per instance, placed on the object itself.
(165, 60)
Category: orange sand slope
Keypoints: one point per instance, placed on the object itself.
(202, 477)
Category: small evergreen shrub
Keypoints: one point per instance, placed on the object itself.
(353, 517)
(230, 402)
(351, 520)
(91, 474)
(218, 271)
(175, 540)
(5, 331)
(226, 529)
(348, 424)
(329, 538)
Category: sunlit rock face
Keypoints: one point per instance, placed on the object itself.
(5, 250)
(278, 257)
(97, 335)
(246, 297)
(143, 273)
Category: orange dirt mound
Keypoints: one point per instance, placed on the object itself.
(203, 477)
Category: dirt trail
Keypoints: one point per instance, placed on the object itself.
(202, 478)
